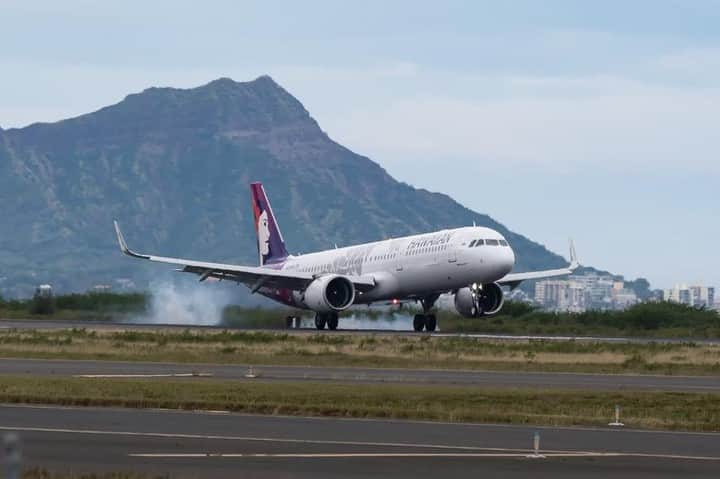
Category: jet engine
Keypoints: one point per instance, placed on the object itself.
(329, 293)
(479, 300)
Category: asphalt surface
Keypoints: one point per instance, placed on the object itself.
(213, 445)
(64, 324)
(489, 379)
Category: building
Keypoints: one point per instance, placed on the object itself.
(624, 298)
(697, 296)
(561, 295)
(584, 291)
(551, 293)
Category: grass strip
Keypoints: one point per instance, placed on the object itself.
(360, 350)
(653, 410)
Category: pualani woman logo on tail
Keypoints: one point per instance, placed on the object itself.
(263, 234)
(271, 247)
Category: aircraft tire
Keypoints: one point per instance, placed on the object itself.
(430, 323)
(332, 321)
(419, 322)
(320, 321)
(289, 322)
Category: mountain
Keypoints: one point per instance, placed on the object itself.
(173, 165)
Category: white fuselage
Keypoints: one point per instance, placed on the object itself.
(418, 265)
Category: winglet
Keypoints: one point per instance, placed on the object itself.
(574, 264)
(123, 245)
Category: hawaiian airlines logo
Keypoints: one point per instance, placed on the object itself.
(263, 234)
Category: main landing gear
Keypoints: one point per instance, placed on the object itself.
(329, 319)
(426, 321)
(293, 322)
(321, 321)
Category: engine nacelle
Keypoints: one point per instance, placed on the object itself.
(329, 293)
(484, 300)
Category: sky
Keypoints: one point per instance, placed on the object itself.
(590, 120)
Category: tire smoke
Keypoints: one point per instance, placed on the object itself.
(176, 302)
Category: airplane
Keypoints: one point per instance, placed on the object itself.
(473, 263)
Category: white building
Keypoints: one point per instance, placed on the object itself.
(582, 292)
(551, 294)
(624, 298)
(697, 296)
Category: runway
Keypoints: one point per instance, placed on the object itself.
(210, 445)
(487, 379)
(50, 324)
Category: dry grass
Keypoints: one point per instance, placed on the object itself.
(375, 350)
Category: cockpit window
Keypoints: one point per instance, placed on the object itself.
(480, 242)
(492, 242)
(504, 243)
(472, 243)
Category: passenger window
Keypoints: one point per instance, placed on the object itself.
(480, 242)
(492, 242)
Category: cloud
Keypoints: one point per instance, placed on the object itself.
(606, 122)
(694, 66)
(400, 113)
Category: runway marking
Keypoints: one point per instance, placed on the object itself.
(257, 439)
(220, 455)
(492, 451)
(627, 430)
(333, 455)
(130, 376)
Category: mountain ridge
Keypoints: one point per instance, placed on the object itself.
(174, 166)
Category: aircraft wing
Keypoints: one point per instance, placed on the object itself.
(514, 279)
(255, 277)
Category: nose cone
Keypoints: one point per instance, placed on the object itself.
(508, 260)
(496, 261)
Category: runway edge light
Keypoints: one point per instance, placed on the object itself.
(536, 447)
(617, 422)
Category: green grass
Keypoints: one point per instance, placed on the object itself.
(656, 410)
(652, 320)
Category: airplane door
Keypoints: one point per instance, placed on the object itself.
(452, 253)
(399, 260)
(456, 254)
(398, 256)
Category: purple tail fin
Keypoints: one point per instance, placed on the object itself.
(271, 246)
